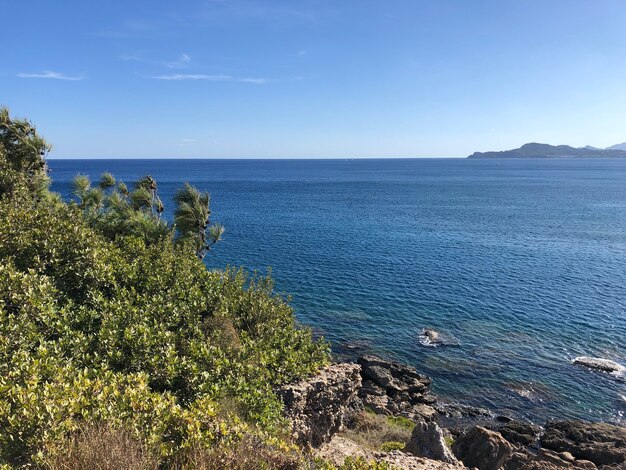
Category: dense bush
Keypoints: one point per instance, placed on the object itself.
(104, 324)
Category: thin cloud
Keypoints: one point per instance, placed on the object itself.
(186, 142)
(302, 52)
(183, 61)
(52, 75)
(132, 57)
(210, 78)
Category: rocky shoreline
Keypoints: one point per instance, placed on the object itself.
(445, 435)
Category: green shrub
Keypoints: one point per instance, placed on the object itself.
(392, 445)
(359, 463)
(121, 330)
(401, 422)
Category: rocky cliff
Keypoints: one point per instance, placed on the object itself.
(321, 407)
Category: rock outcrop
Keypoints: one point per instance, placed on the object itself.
(482, 448)
(318, 406)
(600, 443)
(427, 440)
(518, 433)
(546, 459)
(395, 389)
(340, 448)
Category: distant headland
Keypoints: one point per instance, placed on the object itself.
(535, 150)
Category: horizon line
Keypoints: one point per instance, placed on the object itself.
(254, 158)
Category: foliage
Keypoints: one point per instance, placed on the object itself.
(402, 422)
(359, 463)
(22, 162)
(193, 218)
(115, 211)
(392, 445)
(353, 463)
(107, 321)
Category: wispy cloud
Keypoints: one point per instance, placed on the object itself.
(210, 78)
(183, 60)
(302, 52)
(52, 75)
(186, 142)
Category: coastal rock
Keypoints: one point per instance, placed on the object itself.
(562, 460)
(394, 389)
(604, 365)
(401, 460)
(524, 434)
(600, 443)
(425, 412)
(546, 460)
(461, 411)
(482, 448)
(427, 440)
(317, 407)
(339, 448)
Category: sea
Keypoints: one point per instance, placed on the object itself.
(519, 264)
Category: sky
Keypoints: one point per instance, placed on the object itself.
(314, 78)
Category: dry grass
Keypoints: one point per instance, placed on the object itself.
(102, 448)
(249, 454)
(222, 331)
(372, 430)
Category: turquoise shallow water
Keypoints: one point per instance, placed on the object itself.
(522, 263)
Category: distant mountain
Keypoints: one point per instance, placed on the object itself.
(617, 147)
(535, 150)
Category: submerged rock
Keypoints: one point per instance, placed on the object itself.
(430, 337)
(600, 443)
(604, 365)
(482, 448)
(427, 440)
(318, 407)
(433, 338)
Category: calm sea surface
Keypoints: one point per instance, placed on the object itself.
(520, 263)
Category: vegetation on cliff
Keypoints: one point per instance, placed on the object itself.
(110, 324)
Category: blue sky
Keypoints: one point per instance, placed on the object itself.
(315, 78)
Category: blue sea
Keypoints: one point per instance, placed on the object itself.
(521, 264)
